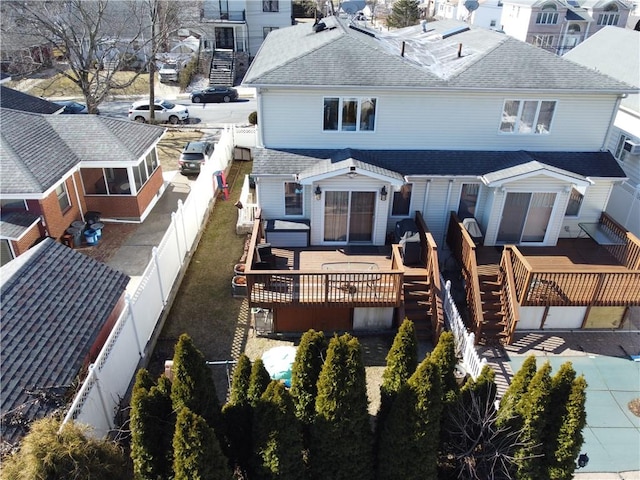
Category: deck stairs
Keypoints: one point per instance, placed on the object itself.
(222, 71)
(490, 294)
(417, 303)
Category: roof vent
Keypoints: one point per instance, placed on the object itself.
(454, 31)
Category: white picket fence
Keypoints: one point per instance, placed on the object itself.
(108, 379)
(464, 340)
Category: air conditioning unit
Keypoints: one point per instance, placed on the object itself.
(631, 147)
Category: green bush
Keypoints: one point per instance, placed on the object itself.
(187, 73)
(253, 118)
(305, 372)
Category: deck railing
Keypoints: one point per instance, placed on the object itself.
(295, 288)
(508, 295)
(430, 253)
(628, 254)
(464, 249)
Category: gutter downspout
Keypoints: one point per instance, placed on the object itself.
(260, 122)
(446, 213)
(75, 187)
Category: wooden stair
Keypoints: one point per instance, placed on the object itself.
(490, 294)
(417, 304)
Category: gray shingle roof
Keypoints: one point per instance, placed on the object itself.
(36, 151)
(54, 303)
(15, 100)
(14, 224)
(343, 56)
(435, 162)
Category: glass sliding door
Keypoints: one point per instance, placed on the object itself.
(525, 217)
(538, 217)
(348, 216)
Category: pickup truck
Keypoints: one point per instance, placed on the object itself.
(169, 72)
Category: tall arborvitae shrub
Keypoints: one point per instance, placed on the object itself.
(534, 409)
(152, 424)
(277, 437)
(444, 357)
(561, 384)
(237, 416)
(409, 438)
(305, 372)
(402, 361)
(192, 384)
(507, 415)
(341, 438)
(258, 381)
(483, 387)
(197, 453)
(570, 438)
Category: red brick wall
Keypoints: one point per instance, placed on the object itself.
(27, 241)
(56, 220)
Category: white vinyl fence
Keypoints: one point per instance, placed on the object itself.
(108, 379)
(465, 341)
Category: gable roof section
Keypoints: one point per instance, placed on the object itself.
(13, 225)
(613, 51)
(54, 303)
(341, 56)
(16, 100)
(39, 150)
(525, 170)
(436, 163)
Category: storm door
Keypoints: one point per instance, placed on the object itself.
(348, 216)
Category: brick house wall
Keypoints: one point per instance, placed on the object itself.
(27, 241)
(57, 221)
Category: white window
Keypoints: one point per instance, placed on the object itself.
(492, 23)
(270, 6)
(575, 201)
(402, 201)
(527, 116)
(349, 114)
(544, 41)
(267, 30)
(548, 15)
(63, 197)
(621, 153)
(292, 198)
(610, 15)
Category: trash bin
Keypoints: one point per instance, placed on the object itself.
(78, 224)
(92, 217)
(90, 236)
(98, 226)
(76, 234)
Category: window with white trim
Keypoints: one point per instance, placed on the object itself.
(527, 116)
(349, 114)
(63, 197)
(468, 200)
(292, 198)
(575, 201)
(402, 201)
(611, 16)
(548, 15)
(621, 153)
(270, 6)
(492, 23)
(544, 41)
(267, 30)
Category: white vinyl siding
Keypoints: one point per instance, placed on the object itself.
(468, 121)
(257, 20)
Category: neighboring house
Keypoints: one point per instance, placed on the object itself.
(16, 100)
(58, 308)
(560, 25)
(358, 130)
(4, 77)
(55, 168)
(622, 63)
(479, 13)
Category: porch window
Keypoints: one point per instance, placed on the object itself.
(267, 30)
(13, 205)
(292, 198)
(575, 202)
(270, 6)
(111, 181)
(402, 201)
(527, 116)
(548, 15)
(349, 114)
(468, 200)
(143, 171)
(611, 16)
(621, 153)
(63, 197)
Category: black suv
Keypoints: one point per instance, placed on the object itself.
(193, 155)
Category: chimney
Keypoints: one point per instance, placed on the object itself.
(459, 50)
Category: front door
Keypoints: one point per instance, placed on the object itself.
(348, 216)
(224, 38)
(525, 217)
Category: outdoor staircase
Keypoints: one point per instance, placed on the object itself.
(222, 71)
(490, 295)
(417, 304)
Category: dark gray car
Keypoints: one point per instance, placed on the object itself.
(193, 156)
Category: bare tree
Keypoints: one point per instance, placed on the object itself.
(97, 38)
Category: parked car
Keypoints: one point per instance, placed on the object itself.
(193, 156)
(71, 107)
(165, 112)
(214, 94)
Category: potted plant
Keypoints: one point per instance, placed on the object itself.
(238, 269)
(239, 286)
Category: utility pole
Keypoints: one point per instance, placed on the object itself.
(153, 12)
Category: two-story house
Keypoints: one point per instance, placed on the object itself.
(560, 25)
(359, 130)
(56, 168)
(623, 63)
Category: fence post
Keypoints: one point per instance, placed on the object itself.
(156, 260)
(133, 324)
(105, 410)
(174, 223)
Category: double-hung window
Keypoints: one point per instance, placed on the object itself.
(575, 202)
(527, 116)
(63, 197)
(611, 16)
(621, 153)
(292, 198)
(267, 30)
(544, 41)
(349, 114)
(270, 6)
